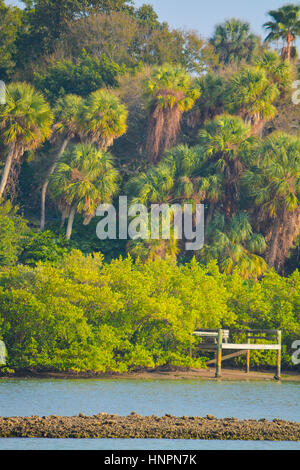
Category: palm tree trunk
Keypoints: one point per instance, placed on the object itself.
(288, 48)
(70, 222)
(7, 168)
(274, 244)
(64, 215)
(209, 215)
(45, 186)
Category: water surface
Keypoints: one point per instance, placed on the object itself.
(243, 400)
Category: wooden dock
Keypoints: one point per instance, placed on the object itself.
(218, 340)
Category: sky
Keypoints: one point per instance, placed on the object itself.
(203, 15)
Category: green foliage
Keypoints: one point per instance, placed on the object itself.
(251, 95)
(104, 118)
(82, 315)
(25, 123)
(81, 76)
(272, 303)
(10, 22)
(165, 82)
(26, 118)
(48, 20)
(64, 310)
(85, 177)
(147, 16)
(277, 70)
(234, 42)
(13, 234)
(44, 246)
(235, 246)
(275, 179)
(86, 316)
(285, 26)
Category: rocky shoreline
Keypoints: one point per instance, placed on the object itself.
(154, 427)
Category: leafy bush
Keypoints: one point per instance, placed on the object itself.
(81, 314)
(44, 246)
(80, 77)
(13, 234)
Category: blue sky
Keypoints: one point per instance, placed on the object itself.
(203, 15)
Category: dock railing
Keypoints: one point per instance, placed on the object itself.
(218, 340)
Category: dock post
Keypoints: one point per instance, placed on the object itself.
(278, 372)
(248, 355)
(219, 355)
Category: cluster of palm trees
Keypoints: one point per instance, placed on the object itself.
(82, 173)
(248, 181)
(84, 176)
(234, 43)
(285, 26)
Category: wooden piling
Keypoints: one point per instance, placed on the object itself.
(278, 371)
(219, 355)
(248, 355)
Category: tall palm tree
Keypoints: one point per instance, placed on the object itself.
(25, 123)
(211, 102)
(171, 181)
(170, 93)
(285, 25)
(211, 187)
(99, 119)
(153, 186)
(68, 125)
(278, 71)
(234, 42)
(274, 183)
(225, 141)
(251, 95)
(104, 118)
(235, 246)
(85, 177)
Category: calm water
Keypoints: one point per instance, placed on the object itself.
(182, 398)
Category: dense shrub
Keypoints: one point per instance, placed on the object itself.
(81, 314)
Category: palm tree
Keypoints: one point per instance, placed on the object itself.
(234, 42)
(225, 141)
(285, 26)
(251, 95)
(100, 119)
(171, 181)
(274, 184)
(149, 250)
(235, 246)
(153, 186)
(170, 93)
(104, 118)
(278, 71)
(211, 102)
(25, 123)
(84, 177)
(67, 112)
(211, 188)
